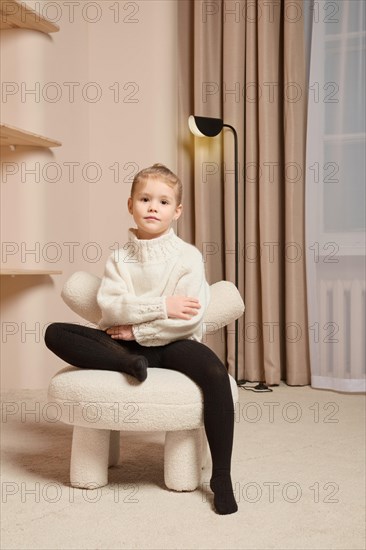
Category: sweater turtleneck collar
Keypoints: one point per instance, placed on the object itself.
(155, 250)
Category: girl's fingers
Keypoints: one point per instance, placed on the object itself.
(190, 311)
(194, 303)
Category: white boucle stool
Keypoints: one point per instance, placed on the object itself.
(100, 403)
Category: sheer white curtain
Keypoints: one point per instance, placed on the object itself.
(335, 195)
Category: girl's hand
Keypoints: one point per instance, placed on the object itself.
(182, 307)
(121, 332)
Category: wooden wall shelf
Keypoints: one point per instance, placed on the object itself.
(13, 272)
(9, 135)
(17, 15)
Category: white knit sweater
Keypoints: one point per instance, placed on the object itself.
(139, 277)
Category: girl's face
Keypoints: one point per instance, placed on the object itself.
(154, 208)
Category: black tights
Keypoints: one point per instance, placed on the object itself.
(91, 348)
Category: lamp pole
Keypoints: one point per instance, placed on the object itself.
(236, 198)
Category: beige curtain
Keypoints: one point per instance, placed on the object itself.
(244, 61)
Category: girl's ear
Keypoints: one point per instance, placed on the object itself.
(129, 205)
(178, 212)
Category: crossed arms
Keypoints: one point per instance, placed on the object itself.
(153, 320)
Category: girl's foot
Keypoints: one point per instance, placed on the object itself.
(136, 365)
(224, 499)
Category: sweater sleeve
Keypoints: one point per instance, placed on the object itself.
(121, 307)
(160, 332)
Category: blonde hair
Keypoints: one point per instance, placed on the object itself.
(161, 172)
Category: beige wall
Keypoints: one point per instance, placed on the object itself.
(131, 53)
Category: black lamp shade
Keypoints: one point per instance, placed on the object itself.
(205, 126)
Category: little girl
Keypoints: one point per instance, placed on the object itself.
(153, 298)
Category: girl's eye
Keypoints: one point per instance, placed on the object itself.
(144, 199)
(164, 202)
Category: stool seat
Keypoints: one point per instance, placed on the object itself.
(101, 403)
(166, 401)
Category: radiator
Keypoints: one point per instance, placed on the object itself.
(342, 328)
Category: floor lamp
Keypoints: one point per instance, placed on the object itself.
(211, 127)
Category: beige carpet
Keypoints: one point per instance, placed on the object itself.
(298, 469)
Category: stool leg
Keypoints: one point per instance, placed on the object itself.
(89, 457)
(182, 460)
(114, 448)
